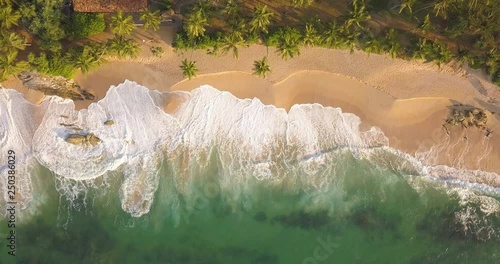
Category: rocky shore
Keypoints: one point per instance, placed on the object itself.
(54, 85)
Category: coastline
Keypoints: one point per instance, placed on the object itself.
(408, 100)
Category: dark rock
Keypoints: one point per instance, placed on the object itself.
(260, 217)
(109, 122)
(87, 139)
(55, 85)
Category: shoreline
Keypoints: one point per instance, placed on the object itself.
(407, 100)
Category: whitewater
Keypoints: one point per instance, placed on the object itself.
(248, 141)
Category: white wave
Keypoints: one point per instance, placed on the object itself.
(17, 125)
(250, 140)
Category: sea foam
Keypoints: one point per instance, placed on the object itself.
(251, 142)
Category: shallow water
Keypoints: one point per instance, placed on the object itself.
(368, 215)
(253, 185)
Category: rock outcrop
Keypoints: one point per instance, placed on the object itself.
(109, 123)
(87, 139)
(54, 85)
(468, 117)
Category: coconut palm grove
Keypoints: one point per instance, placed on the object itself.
(435, 31)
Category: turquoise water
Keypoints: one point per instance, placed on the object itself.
(366, 214)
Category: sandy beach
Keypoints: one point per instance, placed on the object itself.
(408, 100)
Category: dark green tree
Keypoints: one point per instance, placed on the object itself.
(196, 24)
(261, 18)
(8, 17)
(122, 25)
(9, 65)
(11, 42)
(151, 19)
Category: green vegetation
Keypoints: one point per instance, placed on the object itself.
(196, 24)
(57, 63)
(151, 19)
(189, 68)
(261, 67)
(122, 25)
(437, 31)
(157, 51)
(261, 18)
(81, 25)
(8, 17)
(91, 57)
(123, 48)
(304, 3)
(11, 42)
(288, 42)
(49, 23)
(231, 42)
(10, 66)
(44, 20)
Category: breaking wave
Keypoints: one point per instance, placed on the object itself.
(246, 141)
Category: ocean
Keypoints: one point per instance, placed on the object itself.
(226, 180)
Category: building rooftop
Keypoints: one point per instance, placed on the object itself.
(109, 6)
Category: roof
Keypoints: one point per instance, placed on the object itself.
(109, 6)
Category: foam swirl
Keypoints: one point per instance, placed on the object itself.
(250, 140)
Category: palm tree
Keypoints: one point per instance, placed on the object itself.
(332, 34)
(97, 50)
(27, 12)
(8, 17)
(493, 62)
(231, 9)
(358, 15)
(124, 47)
(122, 25)
(441, 7)
(261, 67)
(407, 4)
(6, 2)
(204, 7)
(90, 57)
(195, 24)
(11, 42)
(238, 25)
(85, 62)
(261, 18)
(392, 44)
(444, 54)
(348, 40)
(189, 68)
(231, 42)
(373, 46)
(311, 36)
(9, 65)
(426, 24)
(151, 19)
(289, 46)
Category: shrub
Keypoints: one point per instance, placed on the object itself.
(56, 64)
(123, 48)
(81, 25)
(157, 51)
